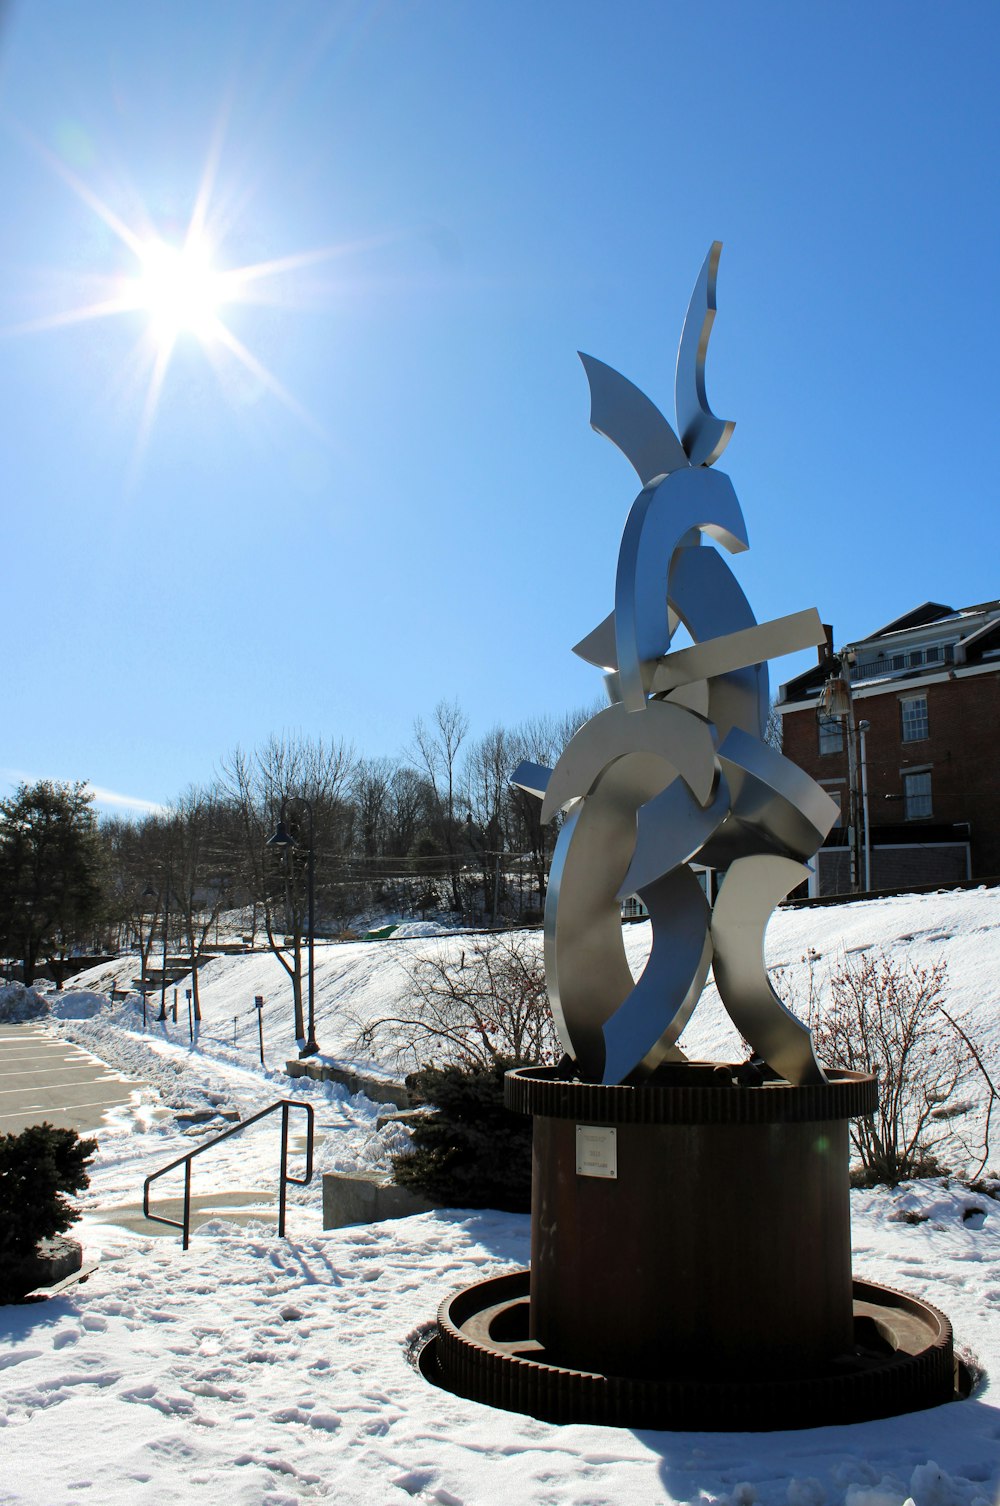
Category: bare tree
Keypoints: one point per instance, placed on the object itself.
(486, 790)
(285, 772)
(485, 1007)
(436, 748)
(199, 873)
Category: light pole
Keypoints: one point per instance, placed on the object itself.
(163, 974)
(863, 729)
(283, 839)
(148, 893)
(836, 702)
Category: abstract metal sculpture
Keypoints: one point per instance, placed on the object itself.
(676, 769)
(730, 1303)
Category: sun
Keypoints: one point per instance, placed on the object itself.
(180, 290)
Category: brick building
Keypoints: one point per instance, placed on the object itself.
(925, 698)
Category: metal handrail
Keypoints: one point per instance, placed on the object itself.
(284, 1104)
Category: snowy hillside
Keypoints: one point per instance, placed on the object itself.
(360, 981)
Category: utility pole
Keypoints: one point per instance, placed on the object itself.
(836, 701)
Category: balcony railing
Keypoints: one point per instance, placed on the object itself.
(898, 664)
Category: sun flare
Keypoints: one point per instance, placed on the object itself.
(180, 290)
(177, 291)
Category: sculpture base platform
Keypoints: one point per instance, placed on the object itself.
(901, 1361)
(691, 1264)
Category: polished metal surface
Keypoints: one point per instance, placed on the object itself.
(750, 890)
(703, 436)
(623, 414)
(675, 773)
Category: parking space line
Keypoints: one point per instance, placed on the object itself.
(68, 1108)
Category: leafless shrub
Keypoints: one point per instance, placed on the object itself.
(484, 1007)
(889, 1018)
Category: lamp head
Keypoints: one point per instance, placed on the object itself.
(282, 837)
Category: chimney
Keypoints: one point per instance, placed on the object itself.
(826, 648)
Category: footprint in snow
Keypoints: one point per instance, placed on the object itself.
(17, 1357)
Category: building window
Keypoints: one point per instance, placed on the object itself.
(831, 734)
(836, 795)
(917, 796)
(914, 711)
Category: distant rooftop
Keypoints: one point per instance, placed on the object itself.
(926, 640)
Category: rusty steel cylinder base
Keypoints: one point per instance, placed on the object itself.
(691, 1266)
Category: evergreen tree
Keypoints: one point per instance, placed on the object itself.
(472, 1152)
(38, 1168)
(50, 861)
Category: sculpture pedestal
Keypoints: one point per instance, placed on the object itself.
(691, 1266)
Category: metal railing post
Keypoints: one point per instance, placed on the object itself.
(284, 1104)
(187, 1204)
(284, 1169)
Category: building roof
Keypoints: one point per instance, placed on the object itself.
(931, 611)
(953, 639)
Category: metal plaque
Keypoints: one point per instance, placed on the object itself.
(596, 1151)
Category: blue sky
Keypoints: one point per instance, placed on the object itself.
(395, 496)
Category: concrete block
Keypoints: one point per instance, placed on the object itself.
(366, 1200)
(378, 1089)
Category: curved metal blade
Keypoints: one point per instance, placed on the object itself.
(750, 890)
(681, 741)
(670, 829)
(586, 968)
(703, 436)
(626, 416)
(643, 1029)
(773, 795)
(688, 501)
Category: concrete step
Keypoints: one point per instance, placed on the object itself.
(238, 1207)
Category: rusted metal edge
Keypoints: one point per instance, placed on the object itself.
(538, 1090)
(870, 1386)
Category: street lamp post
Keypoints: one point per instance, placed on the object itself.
(837, 702)
(283, 839)
(163, 974)
(863, 729)
(148, 893)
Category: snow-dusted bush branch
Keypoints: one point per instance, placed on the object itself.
(888, 1017)
(484, 1006)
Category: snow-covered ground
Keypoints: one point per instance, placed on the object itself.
(259, 1370)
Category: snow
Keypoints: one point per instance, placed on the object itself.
(257, 1370)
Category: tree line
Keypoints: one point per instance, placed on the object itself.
(436, 829)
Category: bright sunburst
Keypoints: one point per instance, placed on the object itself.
(179, 291)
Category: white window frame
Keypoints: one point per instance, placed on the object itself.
(835, 789)
(826, 725)
(924, 721)
(911, 800)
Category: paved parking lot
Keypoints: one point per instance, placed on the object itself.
(43, 1077)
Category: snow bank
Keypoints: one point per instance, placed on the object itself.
(77, 1004)
(18, 1004)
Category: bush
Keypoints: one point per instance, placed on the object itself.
(471, 1152)
(37, 1167)
(889, 1018)
(484, 1006)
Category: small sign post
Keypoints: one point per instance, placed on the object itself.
(259, 1002)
